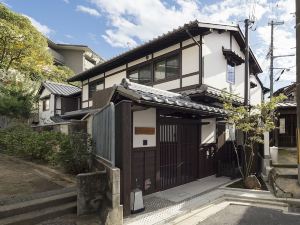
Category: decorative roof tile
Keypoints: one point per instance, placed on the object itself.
(154, 95)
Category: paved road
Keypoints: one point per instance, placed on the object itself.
(250, 215)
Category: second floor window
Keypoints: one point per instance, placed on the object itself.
(95, 86)
(166, 68)
(230, 77)
(46, 104)
(141, 75)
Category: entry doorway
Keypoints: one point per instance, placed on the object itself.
(178, 146)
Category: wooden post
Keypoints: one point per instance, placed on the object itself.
(123, 140)
(298, 81)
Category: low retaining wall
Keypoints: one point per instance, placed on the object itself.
(100, 192)
(64, 127)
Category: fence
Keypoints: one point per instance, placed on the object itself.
(104, 133)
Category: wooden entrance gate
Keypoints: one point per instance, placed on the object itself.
(178, 142)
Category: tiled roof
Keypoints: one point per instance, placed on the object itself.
(287, 104)
(157, 96)
(61, 89)
(208, 90)
(119, 59)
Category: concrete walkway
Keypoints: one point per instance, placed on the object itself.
(183, 200)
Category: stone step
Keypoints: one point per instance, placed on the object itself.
(271, 202)
(37, 216)
(285, 165)
(36, 204)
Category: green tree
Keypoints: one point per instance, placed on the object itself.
(16, 102)
(253, 121)
(25, 49)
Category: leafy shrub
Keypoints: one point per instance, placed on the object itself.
(74, 153)
(71, 152)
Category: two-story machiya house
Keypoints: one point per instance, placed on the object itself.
(168, 111)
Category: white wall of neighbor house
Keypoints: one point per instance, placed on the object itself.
(208, 131)
(215, 64)
(144, 118)
(58, 105)
(44, 116)
(256, 93)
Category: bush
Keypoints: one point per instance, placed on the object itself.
(74, 153)
(70, 152)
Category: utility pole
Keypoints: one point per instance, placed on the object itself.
(272, 24)
(246, 94)
(298, 81)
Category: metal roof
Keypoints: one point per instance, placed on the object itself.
(165, 40)
(61, 89)
(144, 94)
(286, 104)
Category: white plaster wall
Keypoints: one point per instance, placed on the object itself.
(96, 77)
(190, 60)
(191, 80)
(143, 59)
(166, 50)
(170, 85)
(114, 79)
(208, 132)
(85, 92)
(58, 105)
(115, 70)
(145, 118)
(215, 64)
(255, 93)
(44, 116)
(85, 104)
(190, 41)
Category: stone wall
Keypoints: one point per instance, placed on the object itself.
(99, 192)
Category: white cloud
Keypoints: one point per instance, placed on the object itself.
(44, 29)
(130, 23)
(90, 11)
(69, 36)
(66, 1)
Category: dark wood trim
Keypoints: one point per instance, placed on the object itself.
(124, 150)
(201, 61)
(185, 88)
(188, 46)
(180, 63)
(190, 74)
(55, 105)
(157, 159)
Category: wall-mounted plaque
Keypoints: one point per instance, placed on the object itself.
(144, 130)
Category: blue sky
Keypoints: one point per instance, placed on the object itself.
(111, 27)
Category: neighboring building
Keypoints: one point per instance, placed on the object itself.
(287, 119)
(55, 100)
(168, 107)
(77, 57)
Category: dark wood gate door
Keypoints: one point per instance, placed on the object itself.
(178, 153)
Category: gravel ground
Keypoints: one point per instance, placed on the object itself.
(18, 178)
(250, 215)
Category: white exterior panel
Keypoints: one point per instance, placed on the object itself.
(190, 60)
(114, 79)
(145, 118)
(191, 80)
(208, 132)
(170, 85)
